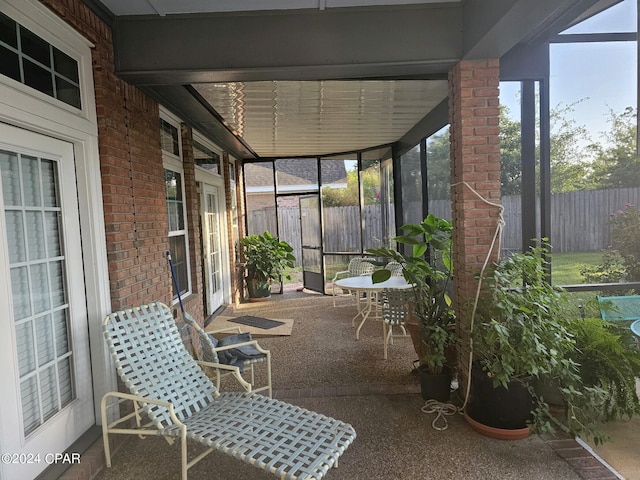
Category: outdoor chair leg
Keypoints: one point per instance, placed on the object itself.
(105, 433)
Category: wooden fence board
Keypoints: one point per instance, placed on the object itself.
(580, 221)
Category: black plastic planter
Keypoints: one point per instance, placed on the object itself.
(499, 407)
(435, 386)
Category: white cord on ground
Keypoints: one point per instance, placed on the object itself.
(433, 406)
(442, 409)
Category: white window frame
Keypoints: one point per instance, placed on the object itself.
(174, 163)
(202, 140)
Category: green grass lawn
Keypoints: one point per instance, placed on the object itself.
(565, 270)
(565, 267)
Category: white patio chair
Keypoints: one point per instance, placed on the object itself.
(211, 349)
(395, 307)
(170, 389)
(395, 268)
(357, 266)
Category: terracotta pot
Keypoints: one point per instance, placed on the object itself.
(413, 328)
(258, 289)
(499, 433)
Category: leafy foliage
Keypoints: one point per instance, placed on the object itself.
(341, 197)
(266, 256)
(625, 239)
(617, 164)
(430, 269)
(521, 334)
(518, 330)
(608, 360)
(621, 262)
(610, 270)
(510, 165)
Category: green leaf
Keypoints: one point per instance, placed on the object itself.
(380, 276)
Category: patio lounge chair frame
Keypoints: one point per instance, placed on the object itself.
(169, 388)
(210, 361)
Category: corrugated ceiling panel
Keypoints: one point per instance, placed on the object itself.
(286, 118)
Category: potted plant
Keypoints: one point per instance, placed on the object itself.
(265, 258)
(609, 363)
(429, 269)
(519, 335)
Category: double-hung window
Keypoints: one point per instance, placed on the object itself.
(176, 207)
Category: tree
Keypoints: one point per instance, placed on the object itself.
(439, 166)
(510, 164)
(617, 164)
(570, 152)
(341, 197)
(570, 145)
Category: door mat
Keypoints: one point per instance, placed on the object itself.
(284, 327)
(257, 322)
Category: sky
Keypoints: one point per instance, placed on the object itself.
(595, 77)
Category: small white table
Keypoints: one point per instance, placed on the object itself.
(364, 284)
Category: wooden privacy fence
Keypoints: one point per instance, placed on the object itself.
(580, 221)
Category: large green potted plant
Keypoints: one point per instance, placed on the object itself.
(519, 335)
(428, 267)
(265, 258)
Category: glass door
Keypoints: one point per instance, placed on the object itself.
(212, 249)
(47, 394)
(311, 240)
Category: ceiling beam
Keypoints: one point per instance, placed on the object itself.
(408, 41)
(493, 27)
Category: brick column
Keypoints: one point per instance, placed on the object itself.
(195, 302)
(475, 162)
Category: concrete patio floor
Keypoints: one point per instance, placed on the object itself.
(322, 367)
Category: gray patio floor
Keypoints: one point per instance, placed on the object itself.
(322, 367)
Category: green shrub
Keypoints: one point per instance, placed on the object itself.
(621, 262)
(625, 225)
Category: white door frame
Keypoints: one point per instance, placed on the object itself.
(72, 420)
(208, 189)
(29, 109)
(206, 178)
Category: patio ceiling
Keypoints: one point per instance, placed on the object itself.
(275, 78)
(289, 118)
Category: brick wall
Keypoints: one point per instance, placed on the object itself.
(194, 303)
(131, 168)
(475, 152)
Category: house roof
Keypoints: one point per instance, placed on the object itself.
(297, 174)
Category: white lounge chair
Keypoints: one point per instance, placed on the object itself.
(170, 389)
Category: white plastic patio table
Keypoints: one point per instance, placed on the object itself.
(364, 284)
